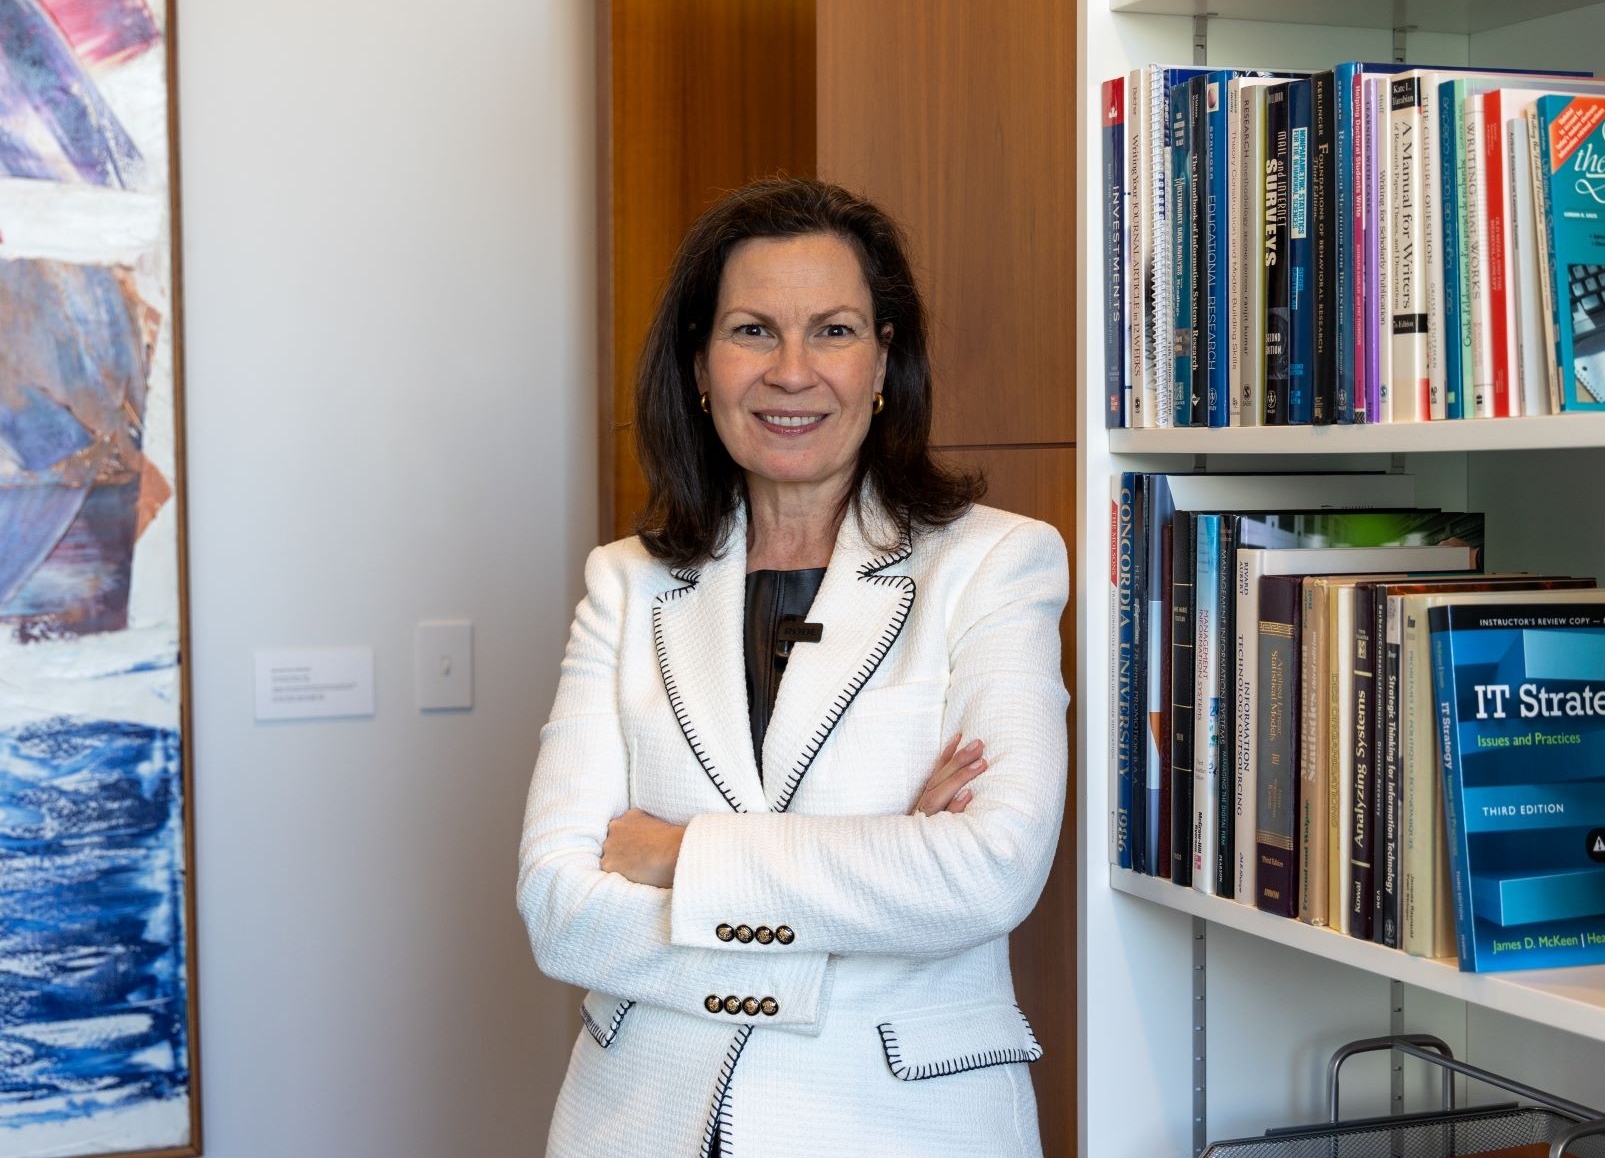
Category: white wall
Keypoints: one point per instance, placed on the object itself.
(390, 285)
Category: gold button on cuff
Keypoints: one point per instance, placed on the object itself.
(769, 1006)
(712, 1003)
(784, 935)
(764, 934)
(744, 933)
(732, 1004)
(724, 932)
(750, 1006)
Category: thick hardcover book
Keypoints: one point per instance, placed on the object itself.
(1314, 727)
(1571, 131)
(1323, 166)
(1278, 258)
(1277, 776)
(1159, 722)
(1364, 837)
(1120, 581)
(1137, 720)
(1246, 303)
(1520, 698)
(1300, 257)
(1116, 346)
(1182, 683)
(1254, 563)
(1183, 264)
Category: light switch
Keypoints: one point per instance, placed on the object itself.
(445, 656)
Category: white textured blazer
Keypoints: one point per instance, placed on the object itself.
(829, 975)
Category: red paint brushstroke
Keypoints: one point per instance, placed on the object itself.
(105, 31)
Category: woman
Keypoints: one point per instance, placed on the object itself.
(794, 931)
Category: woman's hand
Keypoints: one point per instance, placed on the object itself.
(945, 790)
(642, 848)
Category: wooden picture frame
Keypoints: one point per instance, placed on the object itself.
(98, 1009)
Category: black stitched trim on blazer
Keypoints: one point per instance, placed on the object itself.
(720, 1116)
(690, 578)
(604, 1037)
(957, 1065)
(868, 573)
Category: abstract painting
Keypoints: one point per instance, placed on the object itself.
(97, 995)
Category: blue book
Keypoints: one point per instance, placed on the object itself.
(1208, 640)
(1301, 258)
(1520, 695)
(1456, 332)
(1571, 144)
(1214, 203)
(1117, 320)
(1183, 208)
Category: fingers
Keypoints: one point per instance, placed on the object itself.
(954, 759)
(944, 795)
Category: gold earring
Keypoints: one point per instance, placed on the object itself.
(704, 402)
(880, 402)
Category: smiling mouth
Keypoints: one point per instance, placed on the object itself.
(791, 421)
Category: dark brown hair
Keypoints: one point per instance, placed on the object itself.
(693, 484)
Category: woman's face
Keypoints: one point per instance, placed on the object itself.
(793, 362)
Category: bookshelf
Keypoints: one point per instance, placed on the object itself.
(1280, 996)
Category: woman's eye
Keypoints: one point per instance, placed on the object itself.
(838, 330)
(750, 330)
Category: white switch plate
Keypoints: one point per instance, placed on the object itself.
(445, 671)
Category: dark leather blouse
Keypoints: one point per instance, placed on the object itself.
(772, 596)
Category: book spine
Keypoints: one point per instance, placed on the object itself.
(1350, 308)
(1198, 233)
(1364, 259)
(1213, 212)
(1385, 752)
(1159, 313)
(1459, 366)
(1206, 701)
(1153, 591)
(1181, 256)
(1115, 346)
(1480, 404)
(1434, 234)
(1181, 698)
(1532, 365)
(1544, 255)
(1339, 669)
(1454, 804)
(1323, 215)
(1226, 715)
(1422, 788)
(1137, 718)
(1120, 584)
(1276, 771)
(1409, 331)
(1367, 795)
(1236, 281)
(1379, 318)
(1313, 803)
(1301, 258)
(1573, 147)
(1245, 637)
(1496, 247)
(1160, 726)
(1277, 259)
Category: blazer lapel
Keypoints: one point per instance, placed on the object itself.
(697, 629)
(862, 604)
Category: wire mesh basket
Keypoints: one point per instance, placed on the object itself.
(1555, 1128)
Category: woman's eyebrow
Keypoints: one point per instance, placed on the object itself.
(815, 319)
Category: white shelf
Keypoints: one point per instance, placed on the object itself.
(1551, 432)
(1453, 16)
(1568, 999)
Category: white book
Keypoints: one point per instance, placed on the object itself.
(1157, 318)
(1247, 303)
(1481, 402)
(1546, 287)
(1340, 754)
(1432, 242)
(1410, 323)
(1381, 158)
(1530, 306)
(1253, 563)
(1137, 222)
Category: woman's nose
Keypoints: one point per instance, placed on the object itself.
(791, 369)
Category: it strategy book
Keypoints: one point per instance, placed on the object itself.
(1520, 714)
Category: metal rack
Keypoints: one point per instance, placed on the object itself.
(1568, 1129)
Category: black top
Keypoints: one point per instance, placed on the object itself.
(772, 596)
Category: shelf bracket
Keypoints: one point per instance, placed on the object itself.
(1201, 38)
(1399, 33)
(1396, 1029)
(1200, 1038)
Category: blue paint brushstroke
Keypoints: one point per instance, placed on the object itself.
(93, 993)
(41, 78)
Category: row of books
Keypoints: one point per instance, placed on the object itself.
(1277, 729)
(1371, 243)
